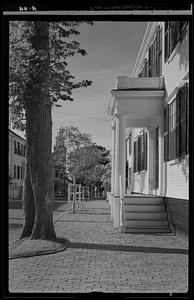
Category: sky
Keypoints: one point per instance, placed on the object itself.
(112, 48)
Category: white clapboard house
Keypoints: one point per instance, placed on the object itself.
(150, 135)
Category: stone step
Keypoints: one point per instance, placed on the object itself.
(145, 215)
(144, 208)
(142, 200)
(133, 229)
(146, 223)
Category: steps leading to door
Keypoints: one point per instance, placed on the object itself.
(143, 214)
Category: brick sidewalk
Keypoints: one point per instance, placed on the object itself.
(100, 258)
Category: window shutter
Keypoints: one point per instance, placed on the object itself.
(134, 157)
(139, 154)
(150, 62)
(187, 121)
(174, 35)
(173, 144)
(15, 171)
(130, 144)
(145, 151)
(183, 114)
(15, 147)
(18, 172)
(178, 123)
(126, 173)
(157, 50)
(142, 151)
(166, 133)
(166, 41)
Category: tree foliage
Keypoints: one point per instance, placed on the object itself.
(25, 64)
(38, 78)
(87, 161)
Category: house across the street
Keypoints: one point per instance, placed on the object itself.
(16, 164)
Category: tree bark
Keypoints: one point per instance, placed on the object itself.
(38, 187)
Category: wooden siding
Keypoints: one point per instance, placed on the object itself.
(177, 179)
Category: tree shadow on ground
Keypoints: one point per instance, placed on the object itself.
(83, 221)
(126, 248)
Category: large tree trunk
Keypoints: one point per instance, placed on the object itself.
(38, 187)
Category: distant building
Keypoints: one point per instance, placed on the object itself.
(16, 164)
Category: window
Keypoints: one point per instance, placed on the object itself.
(176, 125)
(155, 55)
(18, 172)
(174, 31)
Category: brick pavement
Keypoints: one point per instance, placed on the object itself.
(100, 258)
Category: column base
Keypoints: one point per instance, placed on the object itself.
(116, 211)
(111, 201)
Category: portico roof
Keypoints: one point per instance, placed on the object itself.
(137, 98)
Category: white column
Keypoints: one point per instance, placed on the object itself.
(161, 155)
(122, 153)
(116, 168)
(119, 166)
(112, 172)
(150, 160)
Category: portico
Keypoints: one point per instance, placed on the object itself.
(135, 103)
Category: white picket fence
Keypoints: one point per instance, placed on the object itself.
(77, 195)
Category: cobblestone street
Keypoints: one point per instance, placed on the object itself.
(100, 258)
